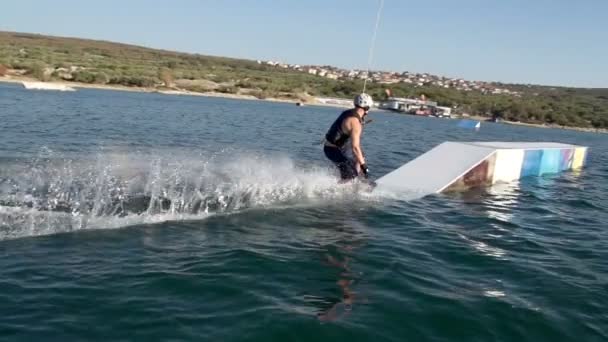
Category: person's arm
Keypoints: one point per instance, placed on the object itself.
(356, 142)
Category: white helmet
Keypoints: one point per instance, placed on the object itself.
(363, 100)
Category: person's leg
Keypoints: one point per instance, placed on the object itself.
(347, 170)
(345, 165)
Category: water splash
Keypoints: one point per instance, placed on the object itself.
(55, 193)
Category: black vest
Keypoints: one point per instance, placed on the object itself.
(335, 134)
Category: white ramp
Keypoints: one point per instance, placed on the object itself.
(434, 170)
(453, 166)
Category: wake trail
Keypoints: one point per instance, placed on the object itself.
(54, 193)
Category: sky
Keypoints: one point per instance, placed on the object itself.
(549, 42)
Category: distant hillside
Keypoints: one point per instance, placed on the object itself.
(92, 61)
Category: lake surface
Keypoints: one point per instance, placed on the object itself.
(133, 216)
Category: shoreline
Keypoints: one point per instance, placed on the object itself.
(166, 91)
(549, 126)
(20, 79)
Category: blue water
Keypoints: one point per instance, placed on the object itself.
(259, 243)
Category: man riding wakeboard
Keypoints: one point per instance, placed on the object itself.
(348, 128)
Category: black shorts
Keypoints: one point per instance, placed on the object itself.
(346, 166)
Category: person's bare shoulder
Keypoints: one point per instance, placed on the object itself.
(352, 124)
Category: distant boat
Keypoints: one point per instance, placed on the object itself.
(498, 120)
(470, 124)
(46, 86)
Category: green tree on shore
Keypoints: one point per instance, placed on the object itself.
(166, 76)
(38, 71)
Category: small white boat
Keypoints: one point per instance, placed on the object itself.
(46, 86)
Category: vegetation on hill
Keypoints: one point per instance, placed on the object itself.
(89, 61)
